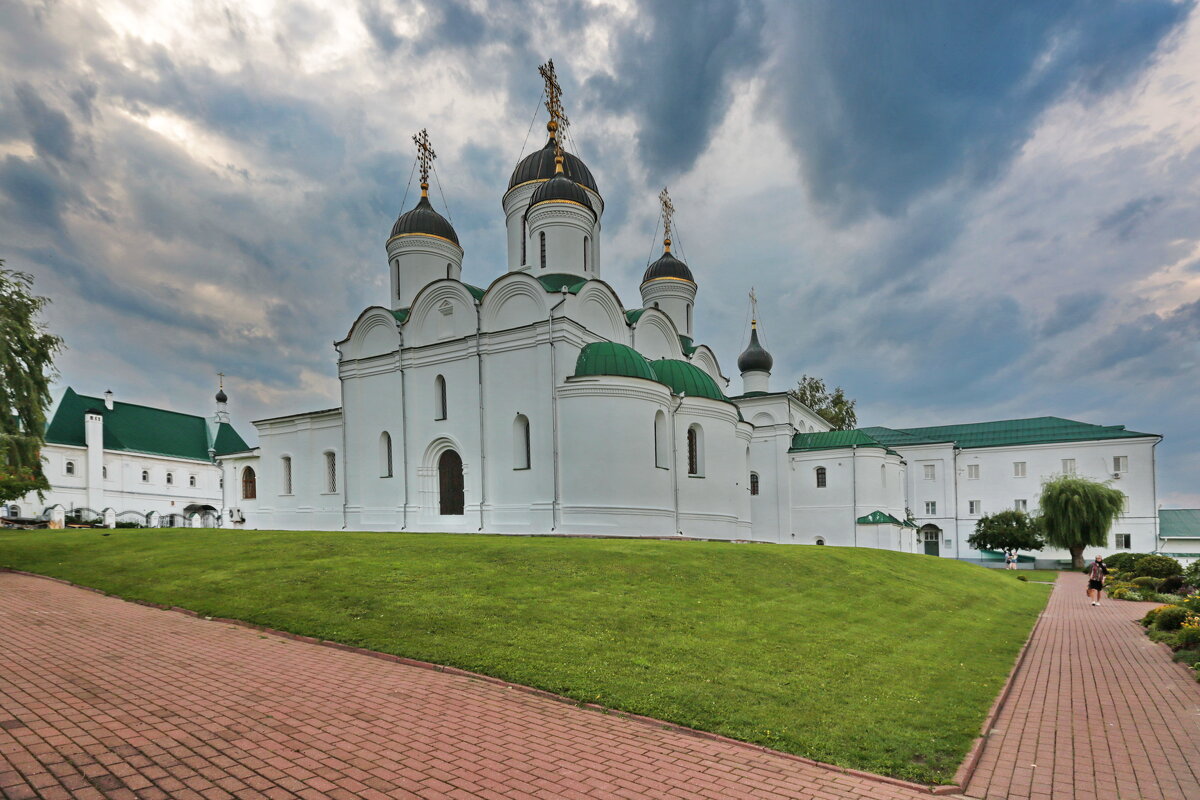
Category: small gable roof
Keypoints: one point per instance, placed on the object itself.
(833, 440)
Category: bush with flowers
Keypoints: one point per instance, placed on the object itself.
(1177, 625)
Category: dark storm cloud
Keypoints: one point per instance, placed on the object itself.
(53, 136)
(34, 194)
(1071, 311)
(378, 23)
(1153, 346)
(885, 101)
(676, 68)
(1122, 222)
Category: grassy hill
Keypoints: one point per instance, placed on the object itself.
(864, 658)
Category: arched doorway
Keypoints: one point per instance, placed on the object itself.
(450, 484)
(931, 537)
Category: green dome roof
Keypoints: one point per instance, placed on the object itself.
(610, 358)
(685, 378)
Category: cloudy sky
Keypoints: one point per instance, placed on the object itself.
(959, 211)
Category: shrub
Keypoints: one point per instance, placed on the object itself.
(1122, 593)
(1022, 578)
(1148, 620)
(1191, 574)
(1188, 637)
(1157, 566)
(1188, 657)
(1146, 582)
(1122, 561)
(1170, 618)
(1171, 585)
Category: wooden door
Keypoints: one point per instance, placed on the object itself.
(450, 484)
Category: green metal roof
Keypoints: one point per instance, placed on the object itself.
(1034, 430)
(686, 343)
(634, 314)
(555, 281)
(140, 429)
(879, 518)
(832, 440)
(475, 291)
(401, 315)
(610, 358)
(1179, 523)
(685, 378)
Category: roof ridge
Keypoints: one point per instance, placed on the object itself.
(138, 405)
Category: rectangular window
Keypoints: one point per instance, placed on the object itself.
(930, 471)
(973, 506)
(1124, 504)
(931, 507)
(1120, 463)
(972, 472)
(286, 463)
(1068, 466)
(330, 473)
(69, 468)
(1021, 505)
(1018, 469)
(1123, 542)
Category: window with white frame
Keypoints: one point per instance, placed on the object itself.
(1120, 463)
(930, 507)
(754, 483)
(973, 507)
(170, 479)
(930, 471)
(69, 468)
(1020, 504)
(1068, 466)
(1124, 504)
(695, 453)
(285, 468)
(1018, 469)
(330, 472)
(821, 478)
(1121, 541)
(145, 476)
(972, 472)
(192, 481)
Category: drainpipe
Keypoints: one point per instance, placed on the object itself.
(1154, 494)
(482, 435)
(345, 460)
(554, 411)
(403, 434)
(957, 533)
(854, 490)
(675, 462)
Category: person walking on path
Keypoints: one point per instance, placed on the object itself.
(1096, 573)
(1010, 559)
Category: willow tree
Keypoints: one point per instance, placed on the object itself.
(1078, 513)
(26, 368)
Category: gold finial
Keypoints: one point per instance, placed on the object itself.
(220, 380)
(668, 213)
(425, 157)
(558, 162)
(753, 309)
(558, 118)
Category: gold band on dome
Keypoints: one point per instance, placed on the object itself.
(427, 235)
(671, 278)
(572, 202)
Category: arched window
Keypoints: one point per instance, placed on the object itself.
(689, 318)
(14, 511)
(249, 486)
(69, 468)
(542, 245)
(104, 472)
(521, 442)
(448, 268)
(754, 483)
(661, 448)
(883, 475)
(439, 397)
(285, 464)
(385, 455)
(524, 241)
(586, 245)
(145, 476)
(820, 477)
(820, 541)
(192, 481)
(170, 479)
(695, 442)
(330, 472)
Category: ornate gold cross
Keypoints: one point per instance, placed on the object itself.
(558, 118)
(668, 212)
(425, 155)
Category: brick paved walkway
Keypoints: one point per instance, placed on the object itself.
(103, 698)
(1144, 744)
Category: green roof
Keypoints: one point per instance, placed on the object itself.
(610, 358)
(556, 281)
(686, 343)
(1034, 430)
(140, 429)
(833, 440)
(401, 315)
(634, 314)
(685, 378)
(878, 518)
(475, 291)
(1179, 523)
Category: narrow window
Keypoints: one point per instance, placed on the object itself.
(104, 471)
(285, 464)
(973, 507)
(1018, 469)
(330, 472)
(883, 475)
(542, 245)
(1123, 541)
(1021, 504)
(170, 479)
(145, 476)
(524, 241)
(521, 442)
(753, 483)
(695, 443)
(439, 398)
(385, 455)
(689, 319)
(1124, 504)
(821, 478)
(69, 468)
(448, 268)
(1120, 463)
(931, 507)
(586, 244)
(972, 472)
(930, 471)
(249, 487)
(1068, 466)
(660, 440)
(192, 481)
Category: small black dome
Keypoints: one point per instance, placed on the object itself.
(221, 397)
(560, 187)
(539, 166)
(668, 266)
(423, 219)
(755, 357)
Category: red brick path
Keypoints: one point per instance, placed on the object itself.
(1097, 712)
(103, 698)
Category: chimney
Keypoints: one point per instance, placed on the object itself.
(108, 396)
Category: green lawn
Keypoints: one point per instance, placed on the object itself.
(865, 658)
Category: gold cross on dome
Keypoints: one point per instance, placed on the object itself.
(221, 380)
(753, 308)
(558, 117)
(668, 212)
(425, 154)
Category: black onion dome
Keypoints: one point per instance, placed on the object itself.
(668, 266)
(755, 357)
(221, 397)
(560, 187)
(423, 219)
(539, 166)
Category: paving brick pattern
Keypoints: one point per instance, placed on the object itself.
(100, 698)
(1097, 711)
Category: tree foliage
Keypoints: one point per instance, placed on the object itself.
(834, 407)
(1079, 513)
(26, 367)
(1007, 530)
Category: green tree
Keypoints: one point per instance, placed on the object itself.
(26, 367)
(1007, 530)
(834, 407)
(1078, 513)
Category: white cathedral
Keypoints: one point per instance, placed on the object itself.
(542, 404)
